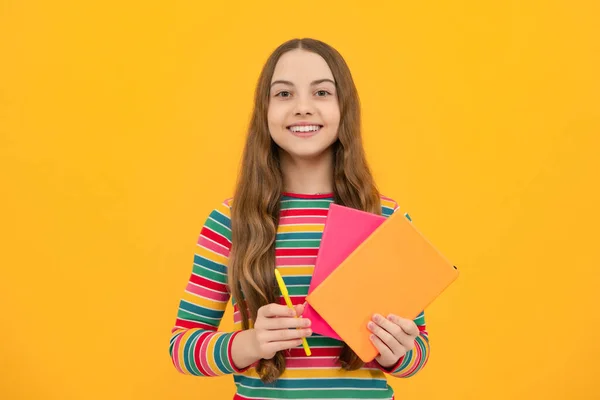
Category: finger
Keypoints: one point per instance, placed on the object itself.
(276, 310)
(284, 323)
(274, 347)
(409, 332)
(407, 342)
(390, 341)
(282, 335)
(299, 309)
(391, 327)
(407, 325)
(384, 351)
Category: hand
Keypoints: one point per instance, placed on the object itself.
(272, 331)
(393, 337)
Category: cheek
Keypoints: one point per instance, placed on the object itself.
(333, 115)
(275, 117)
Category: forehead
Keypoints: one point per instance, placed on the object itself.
(301, 67)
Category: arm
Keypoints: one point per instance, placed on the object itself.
(196, 347)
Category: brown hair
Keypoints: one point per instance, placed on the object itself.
(255, 207)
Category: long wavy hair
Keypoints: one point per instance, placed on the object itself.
(255, 206)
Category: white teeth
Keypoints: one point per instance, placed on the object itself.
(306, 128)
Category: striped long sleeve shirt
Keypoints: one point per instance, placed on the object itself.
(197, 347)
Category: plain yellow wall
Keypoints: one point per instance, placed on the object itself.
(121, 126)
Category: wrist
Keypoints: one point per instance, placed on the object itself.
(252, 342)
(392, 367)
(244, 350)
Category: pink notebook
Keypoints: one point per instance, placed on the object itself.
(345, 229)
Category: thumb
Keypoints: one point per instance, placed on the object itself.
(299, 309)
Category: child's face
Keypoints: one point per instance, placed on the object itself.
(307, 96)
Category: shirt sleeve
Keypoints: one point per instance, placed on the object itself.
(196, 346)
(414, 360)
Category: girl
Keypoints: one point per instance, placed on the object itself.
(303, 152)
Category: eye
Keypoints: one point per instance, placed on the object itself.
(323, 93)
(283, 93)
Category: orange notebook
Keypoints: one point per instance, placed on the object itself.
(345, 229)
(395, 270)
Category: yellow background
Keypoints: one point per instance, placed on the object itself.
(121, 127)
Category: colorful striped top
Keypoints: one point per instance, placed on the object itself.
(198, 348)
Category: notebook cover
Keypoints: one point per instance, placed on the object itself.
(395, 270)
(345, 229)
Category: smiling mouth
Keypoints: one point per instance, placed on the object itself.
(304, 130)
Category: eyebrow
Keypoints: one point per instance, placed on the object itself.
(313, 83)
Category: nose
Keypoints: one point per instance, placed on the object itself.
(303, 106)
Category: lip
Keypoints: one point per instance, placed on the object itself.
(304, 123)
(305, 135)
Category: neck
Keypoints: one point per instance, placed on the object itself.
(307, 176)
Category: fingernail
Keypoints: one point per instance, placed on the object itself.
(371, 325)
(377, 317)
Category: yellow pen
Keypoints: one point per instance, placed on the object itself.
(288, 301)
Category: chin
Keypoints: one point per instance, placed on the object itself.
(307, 153)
